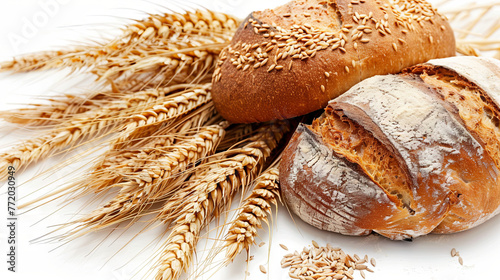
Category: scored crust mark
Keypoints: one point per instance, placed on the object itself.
(480, 114)
(447, 165)
(440, 129)
(477, 110)
(482, 71)
(343, 200)
(350, 140)
(337, 11)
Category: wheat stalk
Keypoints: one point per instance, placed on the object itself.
(235, 134)
(154, 180)
(67, 107)
(211, 195)
(70, 133)
(171, 108)
(60, 109)
(136, 73)
(156, 51)
(74, 58)
(253, 212)
(114, 165)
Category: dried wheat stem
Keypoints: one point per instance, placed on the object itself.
(209, 195)
(204, 22)
(269, 134)
(466, 49)
(69, 106)
(212, 195)
(149, 145)
(455, 10)
(253, 213)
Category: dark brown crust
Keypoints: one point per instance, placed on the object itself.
(256, 95)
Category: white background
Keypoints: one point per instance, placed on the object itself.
(27, 26)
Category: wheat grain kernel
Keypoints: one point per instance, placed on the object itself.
(360, 266)
(262, 269)
(394, 46)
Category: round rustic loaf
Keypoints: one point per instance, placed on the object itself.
(402, 155)
(292, 60)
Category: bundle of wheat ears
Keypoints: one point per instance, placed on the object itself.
(170, 154)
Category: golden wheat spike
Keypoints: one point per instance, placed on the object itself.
(115, 165)
(154, 180)
(254, 211)
(171, 108)
(60, 109)
(74, 131)
(168, 33)
(211, 195)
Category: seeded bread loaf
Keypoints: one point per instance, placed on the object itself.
(293, 59)
(402, 155)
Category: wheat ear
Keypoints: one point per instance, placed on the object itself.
(155, 180)
(74, 58)
(114, 165)
(211, 196)
(70, 133)
(171, 108)
(171, 32)
(254, 211)
(60, 109)
(235, 134)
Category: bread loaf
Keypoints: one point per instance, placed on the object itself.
(292, 60)
(402, 155)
